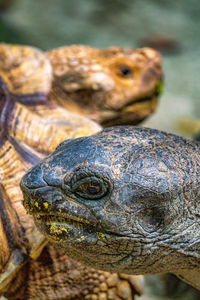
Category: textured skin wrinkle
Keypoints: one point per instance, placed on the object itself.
(155, 178)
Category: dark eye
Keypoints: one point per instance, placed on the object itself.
(124, 71)
(90, 188)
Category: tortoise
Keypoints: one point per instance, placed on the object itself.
(112, 86)
(127, 200)
(31, 126)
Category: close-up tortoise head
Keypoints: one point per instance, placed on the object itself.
(123, 200)
(32, 124)
(113, 86)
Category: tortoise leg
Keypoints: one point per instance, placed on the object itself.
(55, 276)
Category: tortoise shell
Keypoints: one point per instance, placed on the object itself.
(25, 137)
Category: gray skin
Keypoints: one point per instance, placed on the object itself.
(124, 200)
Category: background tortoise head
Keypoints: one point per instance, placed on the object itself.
(112, 86)
(126, 199)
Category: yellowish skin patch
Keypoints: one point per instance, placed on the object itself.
(57, 231)
(52, 227)
(45, 204)
(99, 235)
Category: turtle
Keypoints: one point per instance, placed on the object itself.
(127, 201)
(31, 126)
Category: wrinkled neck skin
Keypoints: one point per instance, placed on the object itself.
(189, 271)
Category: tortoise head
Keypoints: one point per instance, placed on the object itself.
(123, 200)
(112, 86)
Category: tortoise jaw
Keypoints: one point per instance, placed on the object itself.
(133, 112)
(60, 218)
(60, 225)
(148, 101)
(65, 228)
(139, 110)
(61, 228)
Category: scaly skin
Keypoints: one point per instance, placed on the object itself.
(124, 200)
(31, 127)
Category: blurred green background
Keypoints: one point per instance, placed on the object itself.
(48, 24)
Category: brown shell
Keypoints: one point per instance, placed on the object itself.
(32, 84)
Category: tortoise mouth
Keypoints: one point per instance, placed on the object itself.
(62, 219)
(62, 227)
(146, 100)
(131, 113)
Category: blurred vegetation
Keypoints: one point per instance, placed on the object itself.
(4, 4)
(8, 34)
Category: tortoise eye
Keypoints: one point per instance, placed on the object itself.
(124, 71)
(90, 188)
